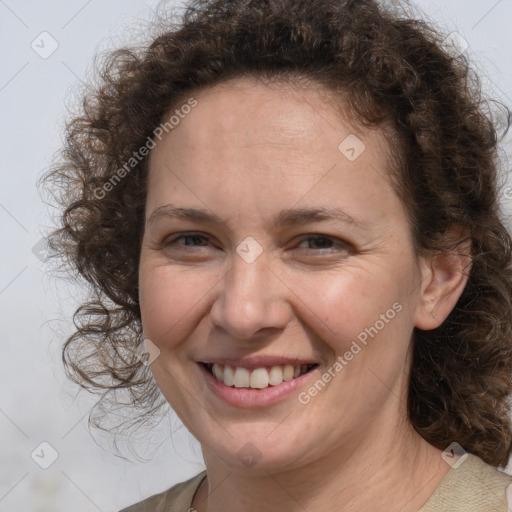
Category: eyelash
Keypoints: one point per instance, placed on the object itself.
(314, 236)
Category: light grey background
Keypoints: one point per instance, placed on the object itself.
(37, 404)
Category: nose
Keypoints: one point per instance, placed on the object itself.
(251, 302)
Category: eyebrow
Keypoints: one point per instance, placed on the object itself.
(307, 215)
(297, 216)
(198, 214)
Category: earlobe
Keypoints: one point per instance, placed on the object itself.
(444, 278)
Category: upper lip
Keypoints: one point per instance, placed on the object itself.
(257, 361)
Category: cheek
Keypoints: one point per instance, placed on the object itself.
(363, 319)
(171, 302)
(355, 304)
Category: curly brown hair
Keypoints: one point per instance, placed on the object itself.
(388, 68)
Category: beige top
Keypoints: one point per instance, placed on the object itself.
(472, 487)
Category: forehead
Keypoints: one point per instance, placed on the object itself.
(246, 113)
(246, 138)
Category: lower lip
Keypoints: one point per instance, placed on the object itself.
(254, 398)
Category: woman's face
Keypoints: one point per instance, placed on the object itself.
(272, 239)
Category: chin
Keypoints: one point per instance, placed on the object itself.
(255, 448)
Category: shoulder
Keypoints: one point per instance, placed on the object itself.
(176, 499)
(474, 486)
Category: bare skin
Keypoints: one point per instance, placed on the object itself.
(244, 154)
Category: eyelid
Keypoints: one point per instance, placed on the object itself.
(176, 236)
(337, 242)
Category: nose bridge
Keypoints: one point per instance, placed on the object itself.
(249, 300)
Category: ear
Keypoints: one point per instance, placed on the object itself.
(444, 276)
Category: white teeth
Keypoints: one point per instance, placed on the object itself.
(229, 375)
(218, 371)
(275, 376)
(288, 372)
(242, 378)
(259, 378)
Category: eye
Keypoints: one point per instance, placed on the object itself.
(187, 242)
(323, 243)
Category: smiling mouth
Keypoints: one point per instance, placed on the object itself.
(257, 378)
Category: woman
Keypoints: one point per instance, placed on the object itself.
(293, 206)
